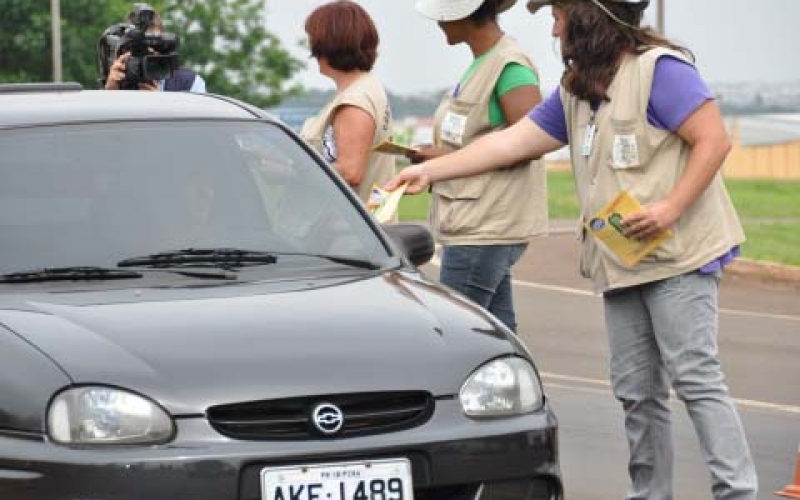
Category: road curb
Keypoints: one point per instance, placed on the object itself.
(768, 271)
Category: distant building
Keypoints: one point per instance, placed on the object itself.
(765, 129)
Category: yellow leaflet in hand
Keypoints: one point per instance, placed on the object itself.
(383, 204)
(393, 148)
(606, 226)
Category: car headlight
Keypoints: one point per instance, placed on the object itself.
(107, 416)
(500, 388)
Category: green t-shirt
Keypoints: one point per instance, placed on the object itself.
(513, 75)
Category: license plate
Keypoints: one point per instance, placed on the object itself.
(366, 480)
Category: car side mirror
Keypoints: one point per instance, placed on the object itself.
(414, 240)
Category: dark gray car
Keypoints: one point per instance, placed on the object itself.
(194, 306)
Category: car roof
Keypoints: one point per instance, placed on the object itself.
(35, 105)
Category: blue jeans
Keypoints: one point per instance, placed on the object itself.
(483, 274)
(665, 333)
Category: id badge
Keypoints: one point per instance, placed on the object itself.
(626, 151)
(588, 139)
(453, 128)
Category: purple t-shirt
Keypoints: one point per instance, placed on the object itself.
(678, 90)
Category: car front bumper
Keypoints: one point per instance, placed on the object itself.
(452, 458)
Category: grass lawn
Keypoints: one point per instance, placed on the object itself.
(414, 207)
(773, 242)
(770, 213)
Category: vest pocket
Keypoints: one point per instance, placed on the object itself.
(670, 250)
(630, 148)
(457, 204)
(631, 160)
(466, 188)
(457, 120)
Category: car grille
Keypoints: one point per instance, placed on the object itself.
(287, 419)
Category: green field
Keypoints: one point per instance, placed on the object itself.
(770, 213)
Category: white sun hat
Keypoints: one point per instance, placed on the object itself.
(454, 10)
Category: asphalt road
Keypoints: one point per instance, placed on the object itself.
(561, 322)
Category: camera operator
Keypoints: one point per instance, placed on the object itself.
(181, 79)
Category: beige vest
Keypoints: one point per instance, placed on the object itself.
(630, 154)
(500, 207)
(368, 94)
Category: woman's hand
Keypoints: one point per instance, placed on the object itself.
(415, 176)
(650, 221)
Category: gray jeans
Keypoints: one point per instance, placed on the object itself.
(665, 333)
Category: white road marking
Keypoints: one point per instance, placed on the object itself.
(784, 317)
(563, 382)
(553, 288)
(590, 390)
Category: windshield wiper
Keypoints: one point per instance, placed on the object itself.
(226, 258)
(75, 273)
(352, 262)
(341, 259)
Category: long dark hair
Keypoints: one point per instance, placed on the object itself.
(594, 44)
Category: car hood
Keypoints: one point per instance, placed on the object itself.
(196, 348)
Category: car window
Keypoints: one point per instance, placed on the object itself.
(93, 194)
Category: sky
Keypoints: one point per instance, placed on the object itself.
(733, 40)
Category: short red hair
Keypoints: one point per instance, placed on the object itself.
(343, 33)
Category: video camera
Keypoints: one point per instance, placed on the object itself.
(153, 54)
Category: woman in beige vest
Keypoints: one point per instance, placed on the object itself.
(344, 40)
(484, 222)
(638, 118)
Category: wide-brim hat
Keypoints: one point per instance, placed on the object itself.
(454, 10)
(534, 5)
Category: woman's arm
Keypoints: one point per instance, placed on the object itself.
(704, 131)
(517, 90)
(521, 141)
(353, 133)
(519, 101)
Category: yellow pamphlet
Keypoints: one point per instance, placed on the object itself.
(383, 204)
(606, 226)
(393, 148)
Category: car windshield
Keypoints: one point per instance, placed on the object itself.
(96, 194)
